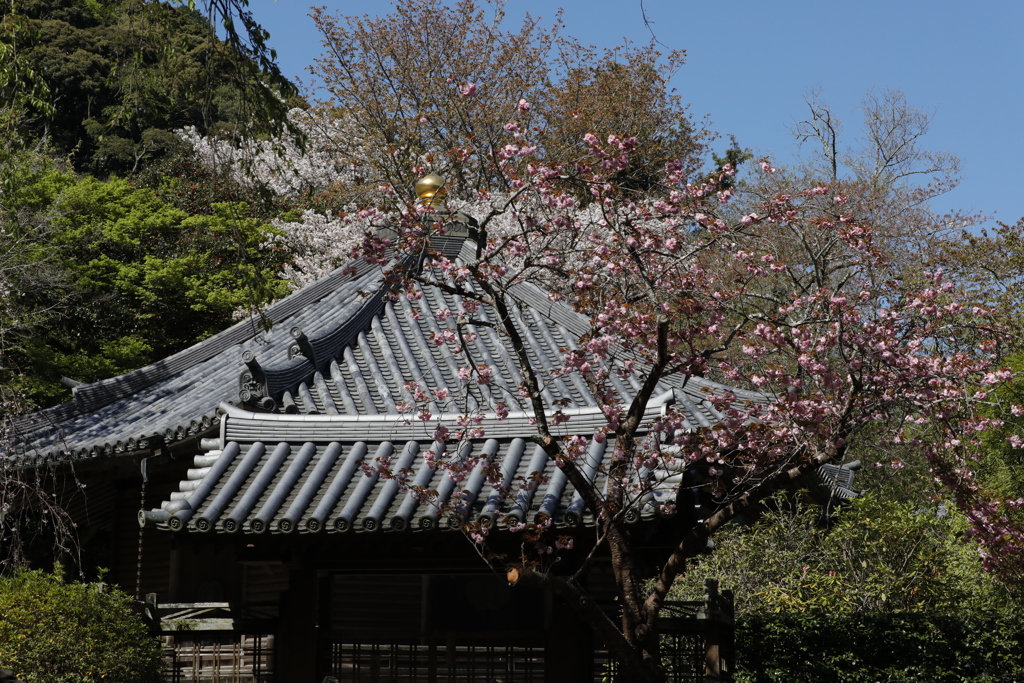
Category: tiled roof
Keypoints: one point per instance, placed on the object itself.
(178, 396)
(320, 426)
(339, 346)
(284, 474)
(321, 396)
(836, 481)
(303, 474)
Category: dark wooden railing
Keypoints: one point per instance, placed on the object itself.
(435, 658)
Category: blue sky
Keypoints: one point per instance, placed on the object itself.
(750, 64)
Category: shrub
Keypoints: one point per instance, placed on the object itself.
(905, 647)
(884, 592)
(876, 555)
(56, 632)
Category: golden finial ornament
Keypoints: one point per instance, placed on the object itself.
(430, 189)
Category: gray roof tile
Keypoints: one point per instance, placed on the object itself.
(340, 358)
(308, 473)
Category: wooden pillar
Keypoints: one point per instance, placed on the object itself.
(712, 653)
(718, 634)
(296, 643)
(568, 651)
(323, 627)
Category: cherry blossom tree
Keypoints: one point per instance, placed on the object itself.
(674, 290)
(280, 163)
(792, 294)
(792, 297)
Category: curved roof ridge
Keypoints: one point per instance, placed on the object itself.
(389, 347)
(103, 392)
(171, 399)
(305, 366)
(327, 341)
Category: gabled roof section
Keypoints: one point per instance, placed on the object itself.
(340, 474)
(402, 345)
(367, 365)
(343, 346)
(177, 398)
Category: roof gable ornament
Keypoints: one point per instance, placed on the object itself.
(430, 190)
(252, 384)
(430, 194)
(301, 346)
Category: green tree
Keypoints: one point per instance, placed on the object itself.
(876, 555)
(186, 183)
(623, 92)
(54, 632)
(890, 647)
(433, 86)
(1002, 469)
(28, 513)
(885, 591)
(121, 75)
(142, 280)
(991, 263)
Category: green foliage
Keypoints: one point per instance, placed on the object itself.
(734, 156)
(883, 592)
(23, 91)
(876, 556)
(895, 647)
(141, 279)
(34, 181)
(116, 77)
(1002, 470)
(990, 263)
(53, 632)
(185, 182)
(29, 182)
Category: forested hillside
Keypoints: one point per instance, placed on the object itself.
(119, 248)
(122, 75)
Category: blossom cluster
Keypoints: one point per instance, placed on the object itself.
(330, 154)
(781, 301)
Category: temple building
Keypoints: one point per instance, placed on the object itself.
(278, 480)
